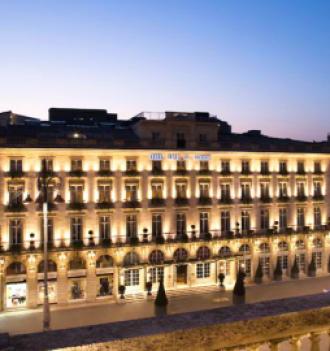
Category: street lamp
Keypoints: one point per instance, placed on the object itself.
(46, 179)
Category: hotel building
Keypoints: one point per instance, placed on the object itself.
(177, 195)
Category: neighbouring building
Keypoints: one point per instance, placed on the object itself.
(173, 195)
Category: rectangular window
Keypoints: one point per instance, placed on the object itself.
(203, 270)
(156, 274)
(132, 277)
(104, 192)
(157, 166)
(265, 265)
(317, 167)
(76, 193)
(181, 224)
(283, 167)
(245, 221)
(181, 165)
(15, 193)
(300, 167)
(225, 167)
(157, 190)
(105, 227)
(105, 164)
(245, 167)
(157, 228)
(131, 226)
(264, 190)
(300, 189)
(282, 189)
(16, 231)
(301, 262)
(317, 188)
(264, 219)
(203, 223)
(245, 264)
(76, 227)
(131, 192)
(204, 165)
(317, 256)
(264, 167)
(225, 191)
(204, 190)
(181, 190)
(246, 191)
(16, 166)
(76, 165)
(180, 140)
(225, 221)
(131, 166)
(300, 217)
(283, 218)
(317, 217)
(47, 164)
(283, 260)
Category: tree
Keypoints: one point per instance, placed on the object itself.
(295, 269)
(312, 267)
(259, 274)
(278, 270)
(161, 298)
(239, 288)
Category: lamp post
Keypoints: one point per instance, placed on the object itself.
(44, 180)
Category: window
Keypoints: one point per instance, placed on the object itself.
(245, 191)
(105, 284)
(157, 227)
(204, 190)
(301, 261)
(264, 190)
(203, 223)
(104, 261)
(225, 252)
(131, 259)
(47, 164)
(104, 227)
(300, 245)
(50, 230)
(245, 249)
(76, 227)
(131, 165)
(181, 190)
(203, 253)
(300, 189)
(181, 165)
(245, 264)
(156, 257)
(76, 193)
(156, 274)
(131, 277)
(16, 165)
(131, 226)
(317, 217)
(283, 167)
(300, 167)
(265, 265)
(203, 138)
(264, 167)
(180, 255)
(317, 243)
(300, 217)
(282, 189)
(245, 167)
(180, 140)
(104, 192)
(131, 192)
(225, 191)
(225, 221)
(105, 164)
(317, 256)
(157, 190)
(15, 192)
(283, 261)
(283, 246)
(203, 270)
(16, 231)
(283, 218)
(155, 136)
(225, 167)
(317, 188)
(245, 221)
(264, 218)
(76, 165)
(317, 167)
(156, 165)
(204, 165)
(181, 225)
(264, 248)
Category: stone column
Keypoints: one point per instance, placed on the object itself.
(315, 342)
(295, 343)
(32, 283)
(91, 280)
(62, 280)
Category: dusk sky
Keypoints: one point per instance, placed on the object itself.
(256, 64)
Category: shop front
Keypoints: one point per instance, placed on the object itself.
(16, 294)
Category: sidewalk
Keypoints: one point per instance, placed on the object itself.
(27, 321)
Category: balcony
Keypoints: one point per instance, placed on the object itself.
(181, 201)
(283, 198)
(181, 172)
(283, 172)
(157, 202)
(265, 199)
(48, 173)
(51, 206)
(16, 247)
(76, 206)
(132, 204)
(157, 172)
(15, 207)
(318, 197)
(77, 173)
(265, 172)
(301, 198)
(246, 172)
(104, 173)
(131, 173)
(246, 199)
(16, 174)
(226, 172)
(225, 200)
(205, 172)
(301, 172)
(204, 200)
(104, 205)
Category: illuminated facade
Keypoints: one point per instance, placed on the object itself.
(181, 197)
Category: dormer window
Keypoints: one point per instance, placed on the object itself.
(203, 138)
(180, 140)
(300, 167)
(155, 136)
(245, 167)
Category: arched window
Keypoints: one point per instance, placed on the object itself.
(203, 253)
(283, 246)
(300, 244)
(180, 255)
(156, 257)
(264, 248)
(245, 249)
(52, 267)
(104, 261)
(225, 251)
(131, 259)
(77, 263)
(16, 268)
(317, 243)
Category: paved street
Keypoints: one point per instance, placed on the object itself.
(72, 316)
